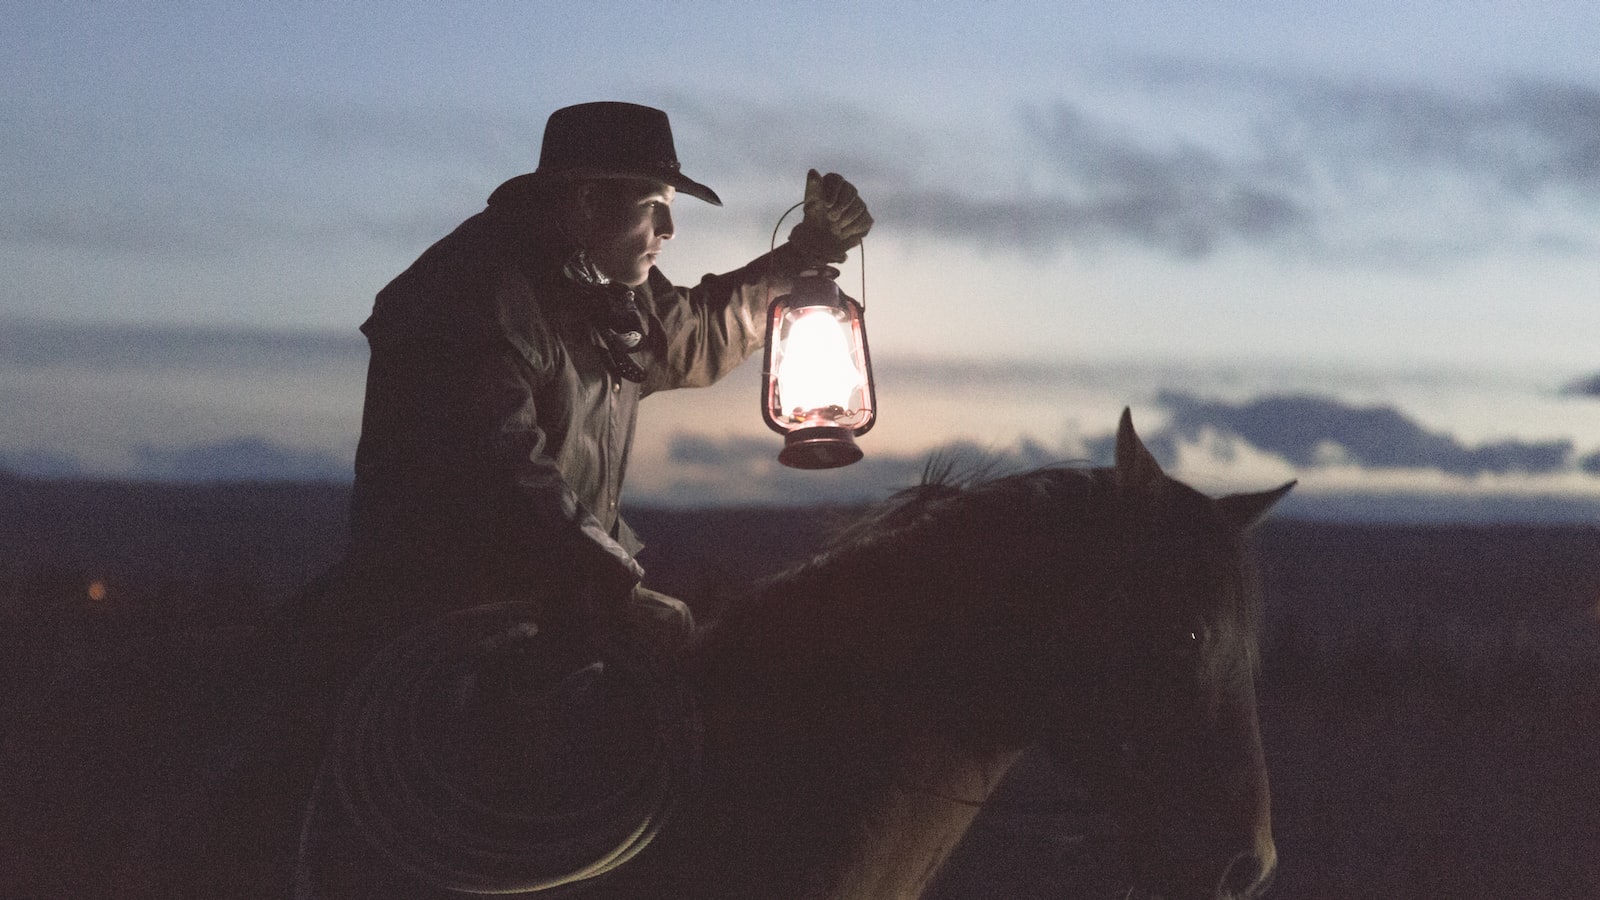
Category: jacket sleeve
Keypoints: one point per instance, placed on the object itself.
(709, 329)
(541, 507)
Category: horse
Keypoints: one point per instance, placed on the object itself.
(832, 737)
(855, 714)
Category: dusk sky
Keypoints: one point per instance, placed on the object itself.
(1391, 206)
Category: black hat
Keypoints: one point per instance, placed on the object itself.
(611, 140)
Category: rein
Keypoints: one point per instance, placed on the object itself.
(1029, 807)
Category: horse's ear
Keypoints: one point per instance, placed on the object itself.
(1244, 510)
(1136, 468)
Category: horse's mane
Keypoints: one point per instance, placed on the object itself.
(909, 559)
(956, 492)
(884, 565)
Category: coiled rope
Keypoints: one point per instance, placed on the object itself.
(473, 756)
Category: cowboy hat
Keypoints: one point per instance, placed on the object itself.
(608, 139)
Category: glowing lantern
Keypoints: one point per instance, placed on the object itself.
(817, 380)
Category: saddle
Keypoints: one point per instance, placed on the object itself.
(481, 754)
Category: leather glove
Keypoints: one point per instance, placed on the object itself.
(835, 220)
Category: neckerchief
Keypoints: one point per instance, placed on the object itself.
(612, 310)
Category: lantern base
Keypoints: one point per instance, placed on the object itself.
(819, 447)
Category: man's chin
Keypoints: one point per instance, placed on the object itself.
(640, 275)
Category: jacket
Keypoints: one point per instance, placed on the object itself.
(494, 438)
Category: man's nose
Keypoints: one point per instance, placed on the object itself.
(664, 226)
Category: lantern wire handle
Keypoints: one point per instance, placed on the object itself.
(860, 245)
(774, 244)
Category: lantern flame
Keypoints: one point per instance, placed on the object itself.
(819, 371)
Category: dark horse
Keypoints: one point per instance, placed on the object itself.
(854, 715)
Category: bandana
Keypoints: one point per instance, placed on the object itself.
(618, 326)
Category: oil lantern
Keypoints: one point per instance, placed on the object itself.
(817, 379)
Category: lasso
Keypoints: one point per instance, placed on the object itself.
(405, 789)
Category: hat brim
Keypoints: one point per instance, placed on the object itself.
(682, 183)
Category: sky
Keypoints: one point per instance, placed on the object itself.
(1240, 218)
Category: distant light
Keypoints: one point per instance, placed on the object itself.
(97, 590)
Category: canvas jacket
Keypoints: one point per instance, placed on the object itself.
(494, 439)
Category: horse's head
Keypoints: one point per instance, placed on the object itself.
(1167, 736)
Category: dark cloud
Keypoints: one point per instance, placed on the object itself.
(1587, 386)
(240, 459)
(39, 463)
(1590, 463)
(1312, 165)
(1315, 165)
(38, 344)
(1314, 146)
(701, 450)
(1525, 138)
(1521, 136)
(741, 137)
(1301, 428)
(746, 470)
(1192, 221)
(1184, 199)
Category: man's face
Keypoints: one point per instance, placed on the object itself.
(626, 224)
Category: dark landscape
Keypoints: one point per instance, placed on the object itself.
(1431, 694)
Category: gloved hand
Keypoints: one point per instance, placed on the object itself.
(836, 219)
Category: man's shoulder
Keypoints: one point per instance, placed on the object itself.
(475, 245)
(659, 291)
(476, 277)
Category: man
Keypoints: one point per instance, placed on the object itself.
(508, 361)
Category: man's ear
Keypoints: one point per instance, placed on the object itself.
(579, 211)
(584, 202)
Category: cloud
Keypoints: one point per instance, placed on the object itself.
(1309, 431)
(701, 450)
(741, 137)
(42, 346)
(1587, 386)
(246, 458)
(723, 470)
(1374, 171)
(41, 463)
(1525, 138)
(1590, 463)
(192, 403)
(240, 459)
(1190, 220)
(1184, 199)
(1366, 171)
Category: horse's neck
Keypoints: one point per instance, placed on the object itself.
(861, 818)
(918, 823)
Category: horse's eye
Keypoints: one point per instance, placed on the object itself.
(1186, 641)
